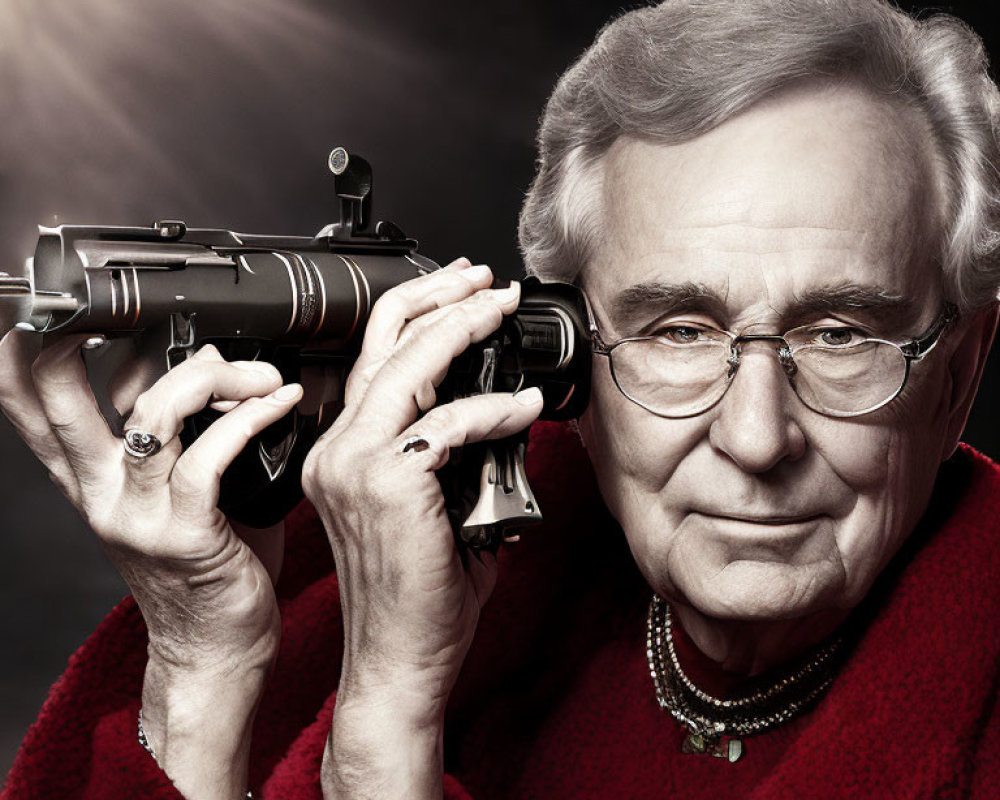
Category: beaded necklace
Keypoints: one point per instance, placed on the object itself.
(715, 725)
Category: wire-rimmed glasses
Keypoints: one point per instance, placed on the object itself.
(685, 368)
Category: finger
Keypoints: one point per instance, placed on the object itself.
(183, 391)
(406, 302)
(190, 386)
(412, 298)
(20, 404)
(470, 419)
(426, 395)
(406, 382)
(133, 376)
(194, 481)
(417, 326)
(60, 379)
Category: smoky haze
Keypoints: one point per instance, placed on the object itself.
(221, 113)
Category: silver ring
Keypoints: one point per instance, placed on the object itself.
(416, 444)
(141, 444)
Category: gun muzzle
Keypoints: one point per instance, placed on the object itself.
(28, 304)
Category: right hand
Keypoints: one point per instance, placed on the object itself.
(410, 601)
(207, 599)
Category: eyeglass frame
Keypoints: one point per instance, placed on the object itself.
(913, 350)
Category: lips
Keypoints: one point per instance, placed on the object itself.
(774, 519)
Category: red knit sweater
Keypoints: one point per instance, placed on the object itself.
(555, 700)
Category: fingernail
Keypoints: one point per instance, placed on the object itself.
(529, 397)
(287, 392)
(512, 292)
(93, 342)
(476, 274)
(224, 405)
(459, 264)
(260, 367)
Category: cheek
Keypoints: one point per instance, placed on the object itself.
(889, 463)
(634, 453)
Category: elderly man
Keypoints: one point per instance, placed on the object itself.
(783, 215)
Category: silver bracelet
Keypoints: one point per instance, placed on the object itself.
(145, 746)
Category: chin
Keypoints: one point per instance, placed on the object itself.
(760, 591)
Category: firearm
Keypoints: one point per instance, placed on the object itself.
(302, 303)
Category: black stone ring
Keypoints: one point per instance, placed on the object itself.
(416, 444)
(141, 444)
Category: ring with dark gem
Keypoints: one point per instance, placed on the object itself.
(141, 444)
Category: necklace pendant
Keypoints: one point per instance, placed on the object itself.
(729, 748)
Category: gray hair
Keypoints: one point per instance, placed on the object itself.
(674, 71)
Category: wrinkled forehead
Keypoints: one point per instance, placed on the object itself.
(823, 192)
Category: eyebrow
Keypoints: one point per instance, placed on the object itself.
(892, 309)
(666, 298)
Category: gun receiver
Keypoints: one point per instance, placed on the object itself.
(301, 303)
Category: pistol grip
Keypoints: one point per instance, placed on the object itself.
(505, 499)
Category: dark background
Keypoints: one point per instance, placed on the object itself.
(221, 113)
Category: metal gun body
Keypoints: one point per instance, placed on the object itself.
(309, 292)
(302, 304)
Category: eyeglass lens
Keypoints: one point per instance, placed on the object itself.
(678, 380)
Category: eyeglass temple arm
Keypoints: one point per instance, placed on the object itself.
(916, 349)
(597, 343)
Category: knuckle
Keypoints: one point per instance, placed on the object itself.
(441, 420)
(190, 375)
(407, 369)
(141, 410)
(244, 369)
(391, 304)
(330, 468)
(44, 375)
(253, 406)
(359, 378)
(447, 286)
(208, 352)
(479, 311)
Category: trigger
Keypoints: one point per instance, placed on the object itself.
(181, 339)
(484, 383)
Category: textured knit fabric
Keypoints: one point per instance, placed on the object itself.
(555, 700)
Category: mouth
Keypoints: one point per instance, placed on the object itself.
(761, 536)
(773, 520)
(763, 519)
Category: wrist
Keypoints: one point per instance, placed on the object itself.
(417, 694)
(199, 726)
(217, 654)
(379, 748)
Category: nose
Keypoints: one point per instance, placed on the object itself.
(756, 421)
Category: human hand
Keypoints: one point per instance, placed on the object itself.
(410, 601)
(207, 599)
